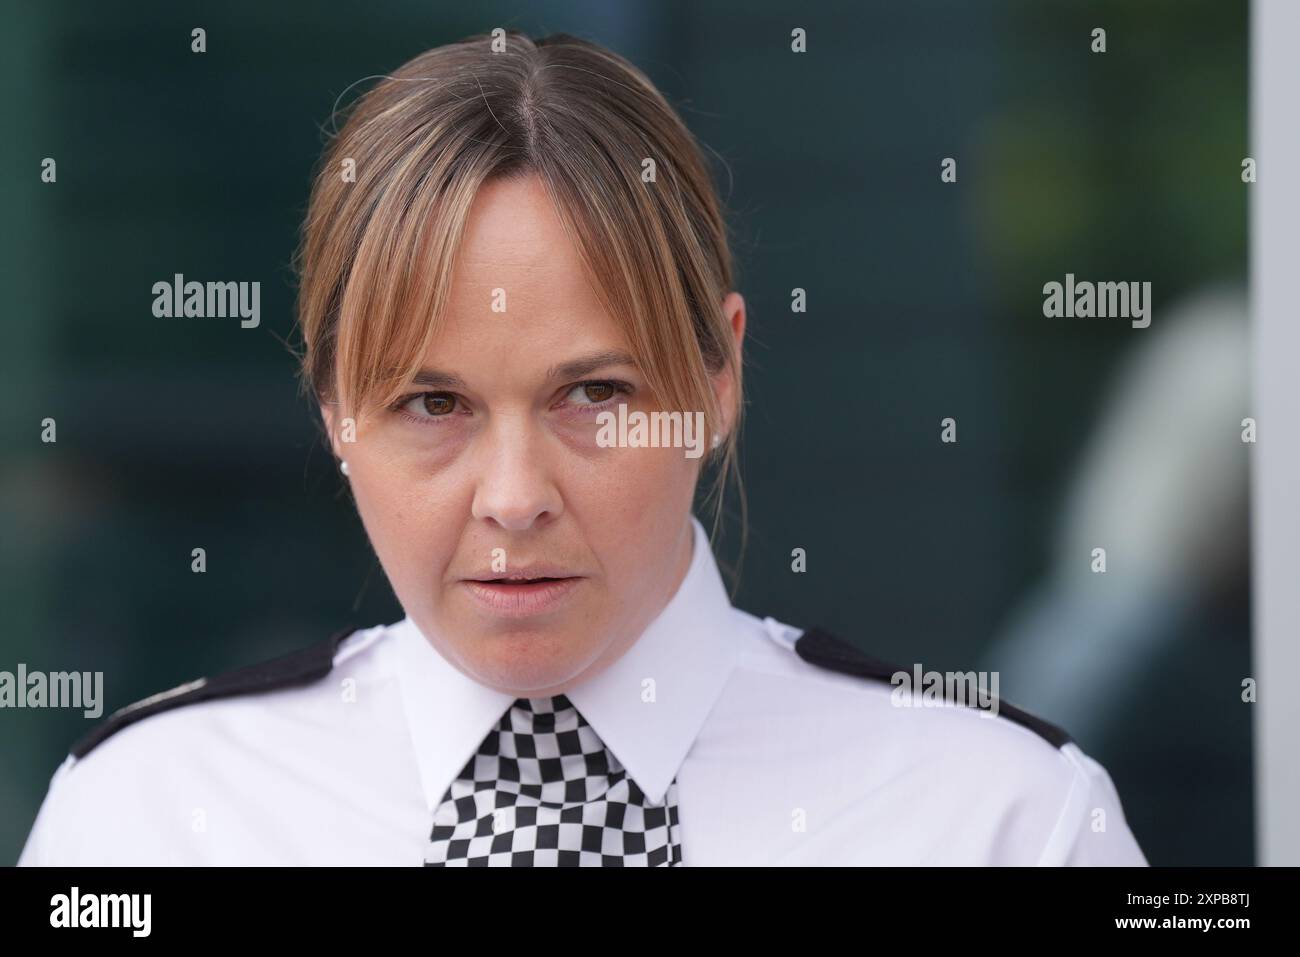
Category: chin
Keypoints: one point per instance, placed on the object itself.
(525, 659)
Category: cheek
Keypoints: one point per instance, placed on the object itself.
(411, 518)
(632, 501)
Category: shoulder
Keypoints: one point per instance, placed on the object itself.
(288, 682)
(200, 741)
(943, 741)
(816, 674)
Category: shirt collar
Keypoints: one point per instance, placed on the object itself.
(648, 706)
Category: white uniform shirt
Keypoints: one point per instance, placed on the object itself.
(778, 761)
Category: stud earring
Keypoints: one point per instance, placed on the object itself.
(717, 439)
(343, 466)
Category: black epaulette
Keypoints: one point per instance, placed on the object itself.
(296, 668)
(821, 648)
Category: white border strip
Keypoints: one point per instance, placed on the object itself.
(1275, 476)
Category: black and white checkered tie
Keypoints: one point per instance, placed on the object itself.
(543, 791)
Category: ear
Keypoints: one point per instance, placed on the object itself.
(724, 383)
(328, 411)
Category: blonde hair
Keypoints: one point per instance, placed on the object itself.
(376, 256)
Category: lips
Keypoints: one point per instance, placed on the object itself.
(522, 579)
(520, 596)
(524, 572)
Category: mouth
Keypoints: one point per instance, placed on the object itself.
(520, 596)
(520, 581)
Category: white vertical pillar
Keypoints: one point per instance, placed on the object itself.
(1275, 483)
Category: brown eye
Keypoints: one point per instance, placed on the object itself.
(597, 392)
(438, 403)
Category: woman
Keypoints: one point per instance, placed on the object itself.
(519, 325)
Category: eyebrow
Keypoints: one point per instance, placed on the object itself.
(577, 368)
(573, 369)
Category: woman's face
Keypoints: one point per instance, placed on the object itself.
(529, 554)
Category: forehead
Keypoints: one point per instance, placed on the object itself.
(519, 285)
(512, 222)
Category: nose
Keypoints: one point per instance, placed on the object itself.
(516, 489)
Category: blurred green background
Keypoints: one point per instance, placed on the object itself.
(924, 302)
